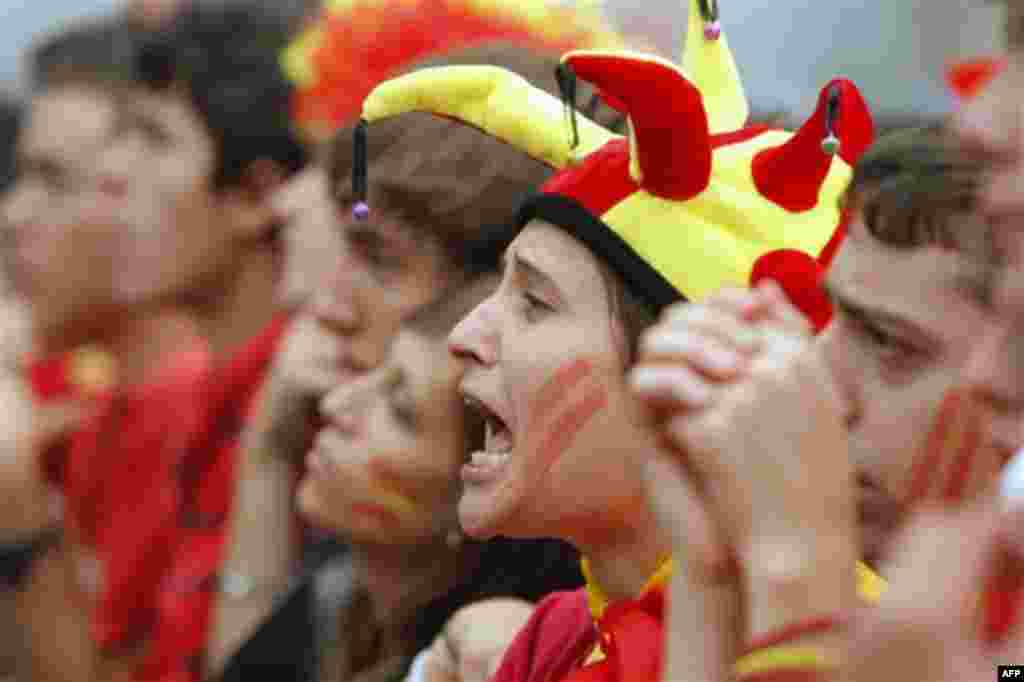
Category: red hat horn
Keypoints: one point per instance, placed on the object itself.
(672, 138)
(791, 175)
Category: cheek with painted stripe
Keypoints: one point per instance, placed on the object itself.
(564, 406)
(957, 462)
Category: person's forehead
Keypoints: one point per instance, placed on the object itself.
(69, 120)
(561, 257)
(926, 286)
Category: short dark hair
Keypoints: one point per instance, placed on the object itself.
(455, 184)
(10, 121)
(226, 57)
(915, 188)
(97, 51)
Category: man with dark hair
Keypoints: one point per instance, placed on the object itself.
(196, 141)
(880, 389)
(10, 117)
(59, 258)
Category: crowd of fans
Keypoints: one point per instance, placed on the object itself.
(438, 340)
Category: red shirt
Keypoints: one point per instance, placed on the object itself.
(121, 497)
(555, 641)
(53, 379)
(205, 484)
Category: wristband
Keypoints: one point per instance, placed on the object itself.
(17, 559)
(782, 658)
(788, 633)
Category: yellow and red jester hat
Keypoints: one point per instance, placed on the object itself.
(693, 198)
(356, 44)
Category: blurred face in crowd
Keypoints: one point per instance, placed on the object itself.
(905, 324)
(58, 249)
(545, 356)
(386, 269)
(312, 240)
(385, 468)
(179, 236)
(991, 124)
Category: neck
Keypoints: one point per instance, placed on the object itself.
(142, 343)
(239, 309)
(622, 565)
(401, 579)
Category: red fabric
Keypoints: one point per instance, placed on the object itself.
(50, 377)
(601, 180)
(800, 276)
(791, 174)
(835, 241)
(631, 636)
(204, 477)
(669, 127)
(50, 381)
(598, 182)
(1002, 597)
(555, 641)
(559, 637)
(120, 493)
(968, 78)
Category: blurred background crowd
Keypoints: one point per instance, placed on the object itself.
(232, 428)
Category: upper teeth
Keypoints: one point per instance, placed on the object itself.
(491, 459)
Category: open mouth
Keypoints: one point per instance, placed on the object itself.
(487, 464)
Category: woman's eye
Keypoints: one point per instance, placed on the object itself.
(895, 355)
(536, 303)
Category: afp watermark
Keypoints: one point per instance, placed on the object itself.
(1010, 672)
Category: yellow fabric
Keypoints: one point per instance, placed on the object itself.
(714, 239)
(493, 99)
(781, 658)
(698, 245)
(92, 370)
(870, 587)
(710, 66)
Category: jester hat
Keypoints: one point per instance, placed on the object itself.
(692, 199)
(356, 44)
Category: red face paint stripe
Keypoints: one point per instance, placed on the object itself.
(571, 422)
(931, 456)
(965, 457)
(558, 386)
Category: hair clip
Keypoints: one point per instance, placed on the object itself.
(831, 144)
(566, 78)
(361, 209)
(712, 23)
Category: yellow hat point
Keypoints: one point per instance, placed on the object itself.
(709, 63)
